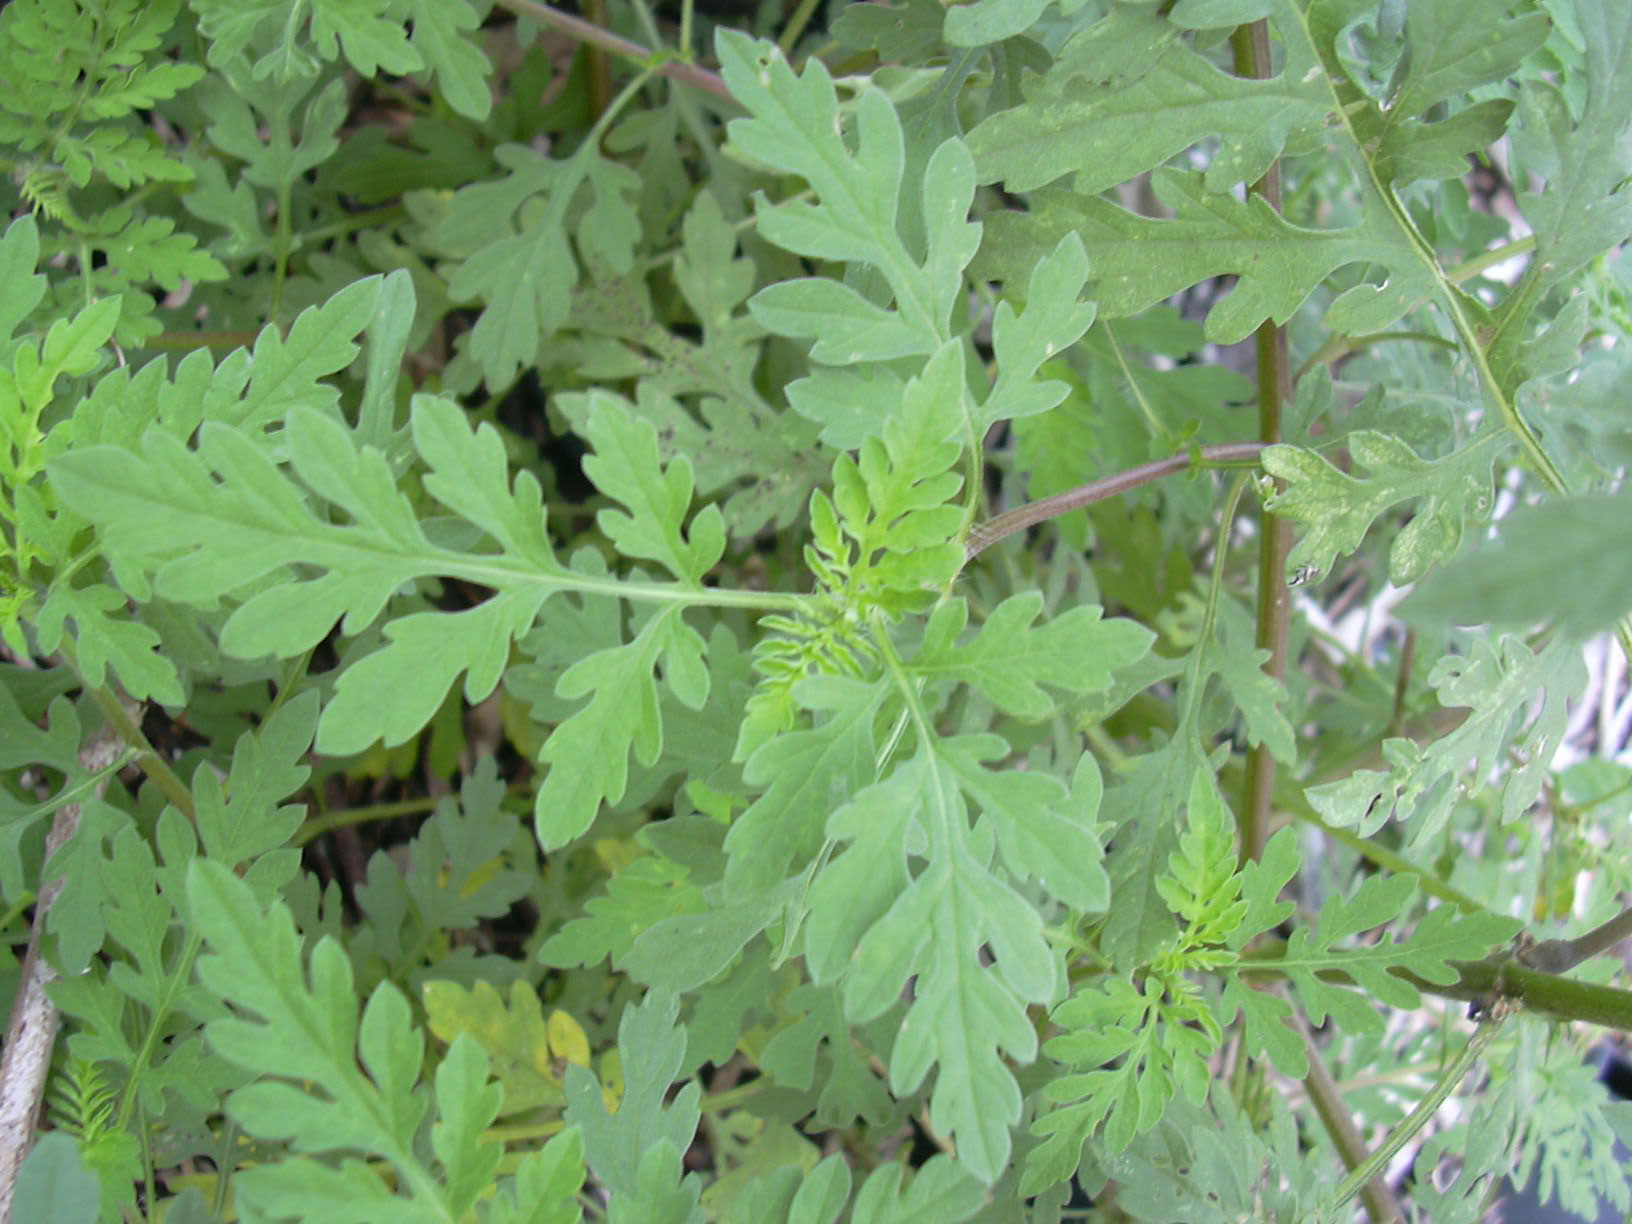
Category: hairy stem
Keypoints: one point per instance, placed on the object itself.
(984, 535)
(595, 36)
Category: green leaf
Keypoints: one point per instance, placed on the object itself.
(642, 894)
(53, 1183)
(425, 653)
(794, 127)
(1257, 694)
(275, 147)
(241, 822)
(801, 771)
(792, 1195)
(545, 1187)
(466, 1105)
(1125, 95)
(76, 918)
(1053, 320)
(148, 250)
(133, 650)
(19, 255)
(524, 270)
(659, 1196)
(935, 928)
(1337, 509)
(626, 466)
(1581, 206)
(1139, 921)
(367, 31)
(939, 1190)
(1446, 57)
(1444, 935)
(458, 873)
(51, 741)
(1008, 659)
(683, 953)
(1139, 262)
(615, 1144)
(1496, 681)
(304, 1036)
(589, 753)
(1201, 885)
(1137, 1045)
(1581, 544)
(817, 1049)
(908, 32)
(1042, 834)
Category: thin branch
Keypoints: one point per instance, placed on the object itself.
(984, 535)
(1560, 955)
(148, 760)
(644, 57)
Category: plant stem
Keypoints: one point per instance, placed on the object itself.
(1253, 59)
(1560, 955)
(1489, 259)
(148, 760)
(1418, 1117)
(1391, 862)
(1325, 1096)
(587, 32)
(1501, 977)
(983, 535)
(796, 26)
(600, 72)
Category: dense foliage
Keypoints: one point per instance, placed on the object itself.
(534, 631)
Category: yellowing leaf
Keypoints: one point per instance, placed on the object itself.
(567, 1038)
(515, 1037)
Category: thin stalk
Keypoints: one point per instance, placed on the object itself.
(645, 57)
(600, 72)
(1338, 347)
(1394, 864)
(148, 760)
(984, 535)
(1402, 681)
(796, 26)
(1418, 1117)
(1471, 268)
(328, 822)
(1146, 408)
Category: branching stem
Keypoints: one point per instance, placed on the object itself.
(1561, 955)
